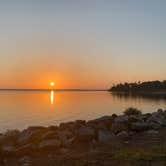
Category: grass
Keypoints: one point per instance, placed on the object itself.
(139, 155)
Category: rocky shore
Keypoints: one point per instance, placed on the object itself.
(110, 140)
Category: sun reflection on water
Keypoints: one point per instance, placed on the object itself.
(52, 97)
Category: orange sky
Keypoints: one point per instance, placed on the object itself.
(81, 44)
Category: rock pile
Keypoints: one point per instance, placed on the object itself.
(99, 131)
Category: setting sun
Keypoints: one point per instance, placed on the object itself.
(52, 84)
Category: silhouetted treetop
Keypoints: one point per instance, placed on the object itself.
(140, 86)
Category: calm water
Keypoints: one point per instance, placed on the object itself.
(19, 109)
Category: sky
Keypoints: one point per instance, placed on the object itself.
(81, 43)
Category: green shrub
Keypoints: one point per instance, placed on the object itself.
(132, 111)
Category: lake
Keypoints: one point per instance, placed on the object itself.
(20, 109)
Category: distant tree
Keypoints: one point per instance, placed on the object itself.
(140, 86)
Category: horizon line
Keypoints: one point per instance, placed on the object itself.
(34, 89)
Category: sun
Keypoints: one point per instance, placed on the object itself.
(52, 84)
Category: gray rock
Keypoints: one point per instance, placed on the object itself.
(85, 134)
(122, 118)
(154, 125)
(12, 133)
(66, 137)
(67, 125)
(158, 117)
(49, 134)
(26, 148)
(7, 149)
(153, 132)
(64, 134)
(135, 118)
(140, 126)
(123, 135)
(67, 142)
(25, 159)
(119, 126)
(51, 143)
(30, 134)
(9, 137)
(105, 136)
(97, 125)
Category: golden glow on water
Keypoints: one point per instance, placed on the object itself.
(52, 97)
(33, 108)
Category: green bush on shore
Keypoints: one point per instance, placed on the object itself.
(132, 111)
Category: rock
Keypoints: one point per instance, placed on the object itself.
(64, 150)
(28, 148)
(105, 119)
(25, 159)
(101, 123)
(51, 143)
(66, 137)
(67, 125)
(153, 132)
(49, 134)
(72, 126)
(122, 118)
(53, 128)
(158, 117)
(119, 126)
(135, 118)
(123, 135)
(144, 117)
(67, 142)
(64, 134)
(154, 125)
(31, 134)
(9, 137)
(12, 134)
(97, 125)
(85, 134)
(7, 149)
(140, 126)
(105, 136)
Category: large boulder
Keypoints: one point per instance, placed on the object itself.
(154, 125)
(67, 126)
(140, 126)
(66, 137)
(9, 137)
(118, 127)
(8, 149)
(122, 118)
(152, 132)
(32, 134)
(158, 117)
(28, 148)
(123, 135)
(49, 134)
(49, 144)
(135, 118)
(101, 123)
(105, 136)
(85, 134)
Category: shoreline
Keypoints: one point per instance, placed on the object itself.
(117, 136)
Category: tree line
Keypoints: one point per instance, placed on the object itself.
(139, 86)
